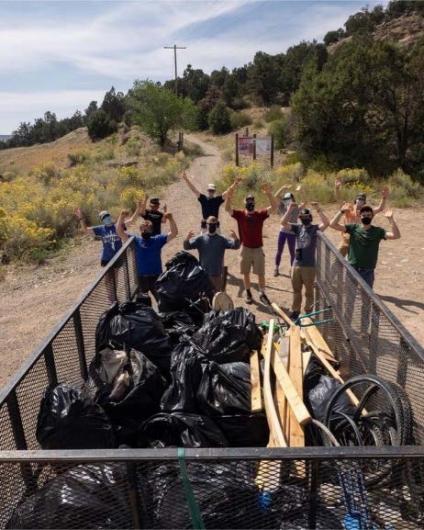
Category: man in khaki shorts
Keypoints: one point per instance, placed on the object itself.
(303, 270)
(250, 225)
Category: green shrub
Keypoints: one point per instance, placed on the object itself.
(403, 190)
(133, 147)
(47, 173)
(258, 124)
(219, 119)
(273, 114)
(278, 129)
(239, 120)
(353, 175)
(100, 125)
(76, 158)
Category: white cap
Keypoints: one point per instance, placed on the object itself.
(211, 187)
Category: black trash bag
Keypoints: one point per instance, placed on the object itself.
(178, 324)
(133, 325)
(319, 396)
(129, 389)
(184, 281)
(186, 374)
(180, 429)
(69, 419)
(87, 496)
(225, 493)
(224, 389)
(244, 430)
(229, 336)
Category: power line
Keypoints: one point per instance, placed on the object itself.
(175, 48)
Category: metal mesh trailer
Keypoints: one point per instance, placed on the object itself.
(305, 487)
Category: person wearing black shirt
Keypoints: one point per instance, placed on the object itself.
(210, 203)
(153, 214)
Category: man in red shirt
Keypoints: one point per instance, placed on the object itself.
(250, 224)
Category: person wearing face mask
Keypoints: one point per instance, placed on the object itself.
(211, 247)
(352, 212)
(106, 232)
(210, 203)
(250, 224)
(365, 240)
(304, 265)
(152, 213)
(148, 248)
(286, 234)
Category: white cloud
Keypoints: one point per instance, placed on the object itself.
(26, 106)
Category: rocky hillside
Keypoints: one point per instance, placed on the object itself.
(406, 30)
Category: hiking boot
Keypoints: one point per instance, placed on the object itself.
(264, 299)
(249, 297)
(276, 272)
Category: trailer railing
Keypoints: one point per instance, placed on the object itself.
(312, 487)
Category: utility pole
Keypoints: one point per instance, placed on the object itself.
(175, 48)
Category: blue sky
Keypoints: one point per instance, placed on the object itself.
(59, 55)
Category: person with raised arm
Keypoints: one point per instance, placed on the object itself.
(304, 265)
(148, 248)
(365, 239)
(210, 202)
(250, 225)
(211, 247)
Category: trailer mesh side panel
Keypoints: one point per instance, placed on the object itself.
(364, 334)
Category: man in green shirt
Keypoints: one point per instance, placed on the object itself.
(365, 240)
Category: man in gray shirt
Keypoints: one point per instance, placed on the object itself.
(303, 271)
(212, 247)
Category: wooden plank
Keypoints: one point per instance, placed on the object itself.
(314, 335)
(271, 413)
(256, 404)
(306, 358)
(277, 309)
(295, 371)
(296, 403)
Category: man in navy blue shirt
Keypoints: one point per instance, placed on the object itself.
(106, 232)
(148, 248)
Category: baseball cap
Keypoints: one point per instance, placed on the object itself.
(103, 214)
(287, 195)
(154, 200)
(250, 197)
(211, 187)
(361, 196)
(305, 211)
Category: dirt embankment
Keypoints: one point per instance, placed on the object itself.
(34, 299)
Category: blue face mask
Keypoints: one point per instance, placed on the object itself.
(107, 221)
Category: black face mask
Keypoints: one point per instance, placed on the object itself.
(250, 206)
(366, 220)
(212, 228)
(306, 220)
(146, 235)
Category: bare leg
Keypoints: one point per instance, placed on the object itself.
(246, 280)
(261, 281)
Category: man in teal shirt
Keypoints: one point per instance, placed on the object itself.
(365, 240)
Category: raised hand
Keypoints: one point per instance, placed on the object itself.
(125, 213)
(168, 215)
(190, 235)
(388, 214)
(299, 187)
(233, 235)
(345, 207)
(385, 192)
(266, 187)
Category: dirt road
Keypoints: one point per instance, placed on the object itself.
(34, 300)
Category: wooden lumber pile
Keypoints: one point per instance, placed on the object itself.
(279, 390)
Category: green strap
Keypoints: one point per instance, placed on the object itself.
(196, 517)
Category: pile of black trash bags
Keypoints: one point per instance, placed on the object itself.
(179, 377)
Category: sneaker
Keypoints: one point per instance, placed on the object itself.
(264, 299)
(294, 315)
(276, 272)
(249, 298)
